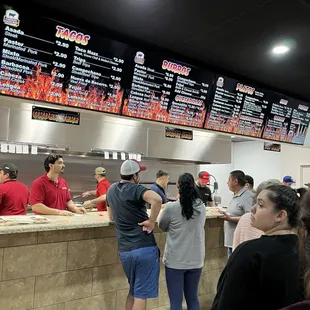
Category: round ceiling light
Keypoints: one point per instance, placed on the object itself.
(280, 49)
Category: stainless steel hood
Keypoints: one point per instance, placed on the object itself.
(115, 133)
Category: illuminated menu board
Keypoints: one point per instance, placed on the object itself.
(46, 60)
(287, 120)
(238, 108)
(166, 90)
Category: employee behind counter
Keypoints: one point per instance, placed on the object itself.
(102, 187)
(13, 194)
(202, 182)
(49, 194)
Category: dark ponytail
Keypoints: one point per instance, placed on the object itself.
(188, 194)
(301, 192)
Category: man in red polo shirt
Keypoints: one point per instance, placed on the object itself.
(102, 188)
(13, 194)
(49, 194)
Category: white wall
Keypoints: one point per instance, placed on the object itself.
(221, 173)
(293, 157)
(251, 158)
(262, 165)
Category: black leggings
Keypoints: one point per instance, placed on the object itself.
(183, 280)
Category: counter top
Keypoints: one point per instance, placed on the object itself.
(56, 222)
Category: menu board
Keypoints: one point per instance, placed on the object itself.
(46, 60)
(166, 90)
(238, 108)
(287, 121)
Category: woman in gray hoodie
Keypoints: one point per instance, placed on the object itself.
(184, 221)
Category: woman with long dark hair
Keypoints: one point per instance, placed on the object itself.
(184, 221)
(264, 273)
(304, 233)
(301, 192)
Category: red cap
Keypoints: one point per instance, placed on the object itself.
(204, 176)
(142, 167)
(131, 166)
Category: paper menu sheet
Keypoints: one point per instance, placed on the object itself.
(34, 150)
(19, 149)
(4, 147)
(12, 148)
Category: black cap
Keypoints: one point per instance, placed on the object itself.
(9, 168)
(249, 180)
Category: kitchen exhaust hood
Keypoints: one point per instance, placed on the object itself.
(99, 131)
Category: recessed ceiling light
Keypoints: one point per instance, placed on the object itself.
(280, 49)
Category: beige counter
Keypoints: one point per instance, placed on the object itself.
(89, 220)
(72, 263)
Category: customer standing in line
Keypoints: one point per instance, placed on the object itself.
(288, 181)
(244, 230)
(264, 273)
(184, 221)
(240, 204)
(304, 234)
(139, 254)
(250, 183)
(301, 191)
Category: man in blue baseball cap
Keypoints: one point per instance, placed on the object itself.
(288, 181)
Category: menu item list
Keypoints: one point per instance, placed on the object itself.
(43, 59)
(46, 60)
(287, 121)
(165, 90)
(237, 108)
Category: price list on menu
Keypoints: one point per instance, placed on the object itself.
(46, 60)
(287, 121)
(165, 90)
(237, 108)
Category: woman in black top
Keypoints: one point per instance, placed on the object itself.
(263, 274)
(305, 251)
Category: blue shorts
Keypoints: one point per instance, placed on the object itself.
(141, 267)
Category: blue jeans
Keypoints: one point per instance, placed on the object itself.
(141, 267)
(183, 280)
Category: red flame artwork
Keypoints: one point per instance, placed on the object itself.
(233, 125)
(45, 87)
(156, 112)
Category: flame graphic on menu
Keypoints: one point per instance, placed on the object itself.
(233, 125)
(156, 112)
(296, 136)
(278, 134)
(222, 123)
(39, 87)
